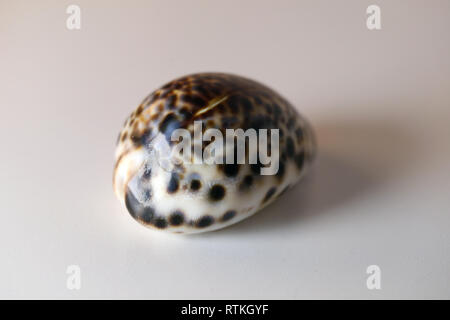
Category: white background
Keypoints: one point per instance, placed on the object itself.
(379, 192)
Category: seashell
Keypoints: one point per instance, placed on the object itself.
(209, 185)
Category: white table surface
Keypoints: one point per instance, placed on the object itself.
(379, 193)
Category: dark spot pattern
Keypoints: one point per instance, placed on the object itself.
(147, 215)
(171, 102)
(195, 185)
(194, 100)
(231, 170)
(256, 168)
(145, 138)
(246, 182)
(168, 125)
(290, 147)
(247, 105)
(185, 113)
(139, 110)
(176, 218)
(137, 210)
(147, 194)
(204, 222)
(228, 215)
(217, 192)
(300, 159)
(147, 173)
(299, 134)
(160, 223)
(174, 183)
(233, 103)
(135, 138)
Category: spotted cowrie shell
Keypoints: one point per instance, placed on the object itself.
(184, 193)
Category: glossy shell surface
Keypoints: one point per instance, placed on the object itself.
(192, 198)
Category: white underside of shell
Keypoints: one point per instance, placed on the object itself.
(195, 205)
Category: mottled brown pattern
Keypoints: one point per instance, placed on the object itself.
(221, 101)
(248, 105)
